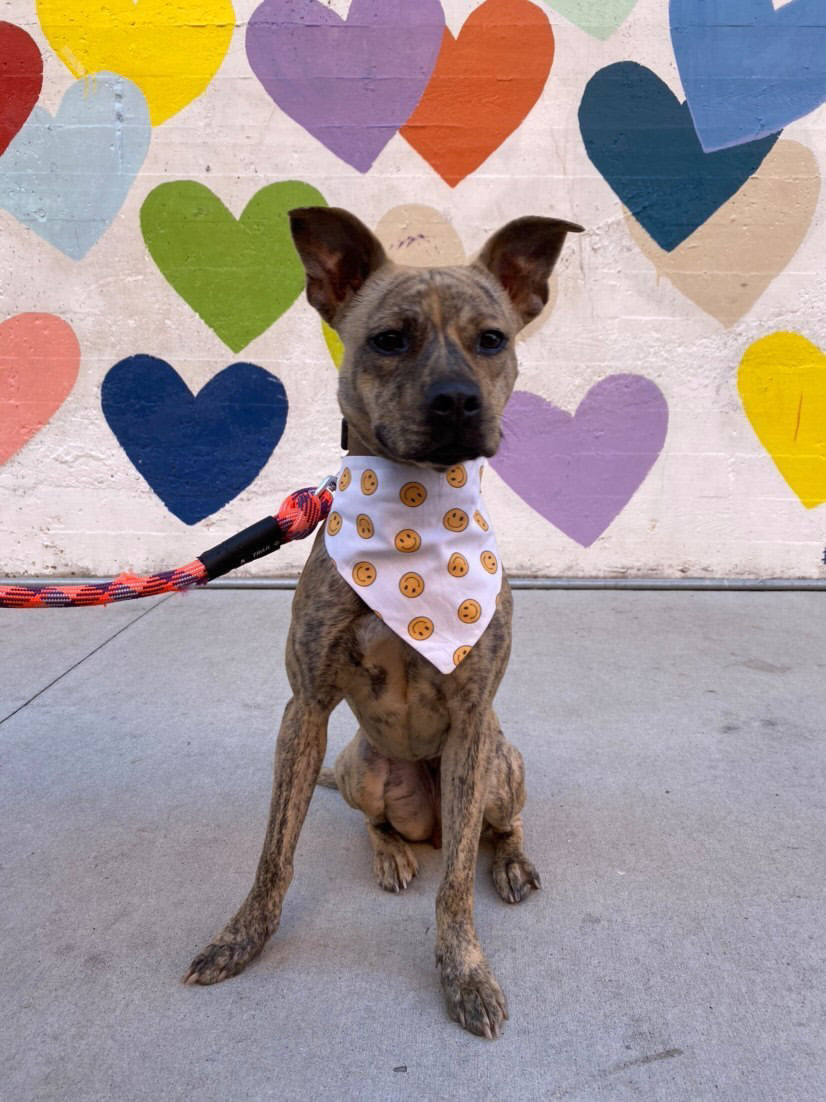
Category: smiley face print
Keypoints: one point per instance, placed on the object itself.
(412, 494)
(469, 611)
(369, 482)
(364, 526)
(457, 565)
(480, 520)
(364, 573)
(333, 524)
(420, 627)
(455, 520)
(488, 561)
(411, 584)
(456, 476)
(407, 541)
(344, 479)
(460, 654)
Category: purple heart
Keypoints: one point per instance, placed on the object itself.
(351, 83)
(580, 470)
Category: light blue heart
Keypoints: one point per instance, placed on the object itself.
(67, 177)
(747, 69)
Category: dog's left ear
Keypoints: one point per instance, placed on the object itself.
(338, 253)
(521, 256)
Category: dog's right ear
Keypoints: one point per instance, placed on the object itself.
(338, 253)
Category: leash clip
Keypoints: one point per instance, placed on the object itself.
(328, 484)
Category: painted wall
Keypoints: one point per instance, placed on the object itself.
(164, 383)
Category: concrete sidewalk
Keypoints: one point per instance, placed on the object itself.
(676, 763)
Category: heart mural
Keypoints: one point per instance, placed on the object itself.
(642, 141)
(170, 50)
(782, 384)
(580, 470)
(39, 361)
(726, 265)
(598, 17)
(238, 275)
(484, 84)
(749, 68)
(67, 177)
(21, 78)
(352, 82)
(197, 452)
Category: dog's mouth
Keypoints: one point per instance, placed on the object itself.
(437, 454)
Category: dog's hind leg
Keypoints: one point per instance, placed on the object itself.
(513, 873)
(396, 802)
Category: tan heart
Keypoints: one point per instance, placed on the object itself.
(726, 265)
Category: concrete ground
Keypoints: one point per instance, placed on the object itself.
(676, 758)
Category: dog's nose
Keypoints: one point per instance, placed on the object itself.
(453, 401)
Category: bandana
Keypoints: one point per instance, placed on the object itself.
(418, 548)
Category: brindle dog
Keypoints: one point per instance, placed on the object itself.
(429, 364)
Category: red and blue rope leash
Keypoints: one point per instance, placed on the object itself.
(299, 515)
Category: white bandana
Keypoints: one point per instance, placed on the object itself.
(418, 548)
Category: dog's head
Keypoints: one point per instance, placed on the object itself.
(429, 353)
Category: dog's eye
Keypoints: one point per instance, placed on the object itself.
(490, 341)
(390, 342)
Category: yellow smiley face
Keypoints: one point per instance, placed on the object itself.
(369, 482)
(420, 628)
(364, 573)
(457, 565)
(333, 523)
(456, 476)
(480, 520)
(460, 654)
(364, 526)
(488, 560)
(455, 520)
(407, 540)
(411, 585)
(344, 479)
(469, 611)
(412, 494)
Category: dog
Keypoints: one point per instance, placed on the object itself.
(428, 367)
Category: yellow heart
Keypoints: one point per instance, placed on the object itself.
(334, 343)
(782, 383)
(171, 50)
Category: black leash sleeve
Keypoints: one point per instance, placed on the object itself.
(254, 542)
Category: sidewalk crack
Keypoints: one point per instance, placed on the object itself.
(80, 661)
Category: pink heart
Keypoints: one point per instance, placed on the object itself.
(39, 361)
(580, 470)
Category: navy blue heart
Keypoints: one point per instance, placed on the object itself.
(643, 142)
(197, 452)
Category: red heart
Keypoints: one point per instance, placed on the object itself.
(39, 361)
(484, 84)
(21, 78)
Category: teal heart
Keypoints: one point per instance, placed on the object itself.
(238, 274)
(67, 177)
(598, 17)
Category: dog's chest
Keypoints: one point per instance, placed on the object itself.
(399, 698)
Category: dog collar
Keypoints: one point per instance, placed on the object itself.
(418, 547)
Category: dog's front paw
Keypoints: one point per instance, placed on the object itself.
(476, 1001)
(228, 954)
(514, 877)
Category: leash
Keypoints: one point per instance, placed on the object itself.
(298, 516)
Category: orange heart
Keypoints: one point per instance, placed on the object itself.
(39, 360)
(483, 85)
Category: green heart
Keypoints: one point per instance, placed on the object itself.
(238, 275)
(598, 17)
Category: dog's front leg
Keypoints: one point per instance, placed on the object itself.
(299, 752)
(474, 998)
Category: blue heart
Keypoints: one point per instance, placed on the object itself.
(747, 69)
(67, 177)
(197, 452)
(642, 141)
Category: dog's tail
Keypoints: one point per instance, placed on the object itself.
(327, 779)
